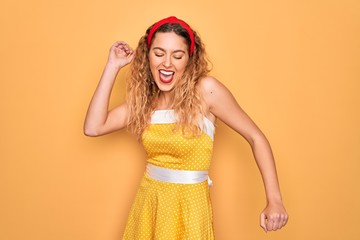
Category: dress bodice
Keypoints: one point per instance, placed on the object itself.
(171, 149)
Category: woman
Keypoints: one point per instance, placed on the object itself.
(171, 108)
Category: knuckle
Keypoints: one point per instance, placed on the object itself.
(275, 216)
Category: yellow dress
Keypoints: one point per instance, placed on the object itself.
(172, 211)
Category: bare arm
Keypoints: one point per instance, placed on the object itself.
(223, 105)
(99, 120)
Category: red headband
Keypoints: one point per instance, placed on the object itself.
(172, 19)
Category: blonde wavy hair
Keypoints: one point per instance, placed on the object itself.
(142, 91)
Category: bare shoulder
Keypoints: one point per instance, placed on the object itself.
(212, 89)
(209, 84)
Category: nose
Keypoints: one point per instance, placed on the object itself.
(167, 61)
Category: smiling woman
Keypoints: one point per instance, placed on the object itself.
(171, 108)
(168, 58)
(169, 46)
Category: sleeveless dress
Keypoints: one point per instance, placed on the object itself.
(172, 211)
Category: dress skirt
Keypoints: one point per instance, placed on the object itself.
(170, 211)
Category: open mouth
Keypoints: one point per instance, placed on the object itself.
(166, 76)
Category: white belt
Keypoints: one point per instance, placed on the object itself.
(177, 176)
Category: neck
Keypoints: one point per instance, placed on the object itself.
(165, 100)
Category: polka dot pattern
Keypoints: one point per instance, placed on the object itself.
(169, 211)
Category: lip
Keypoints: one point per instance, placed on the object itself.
(166, 76)
(166, 71)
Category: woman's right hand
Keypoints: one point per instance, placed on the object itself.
(99, 120)
(121, 54)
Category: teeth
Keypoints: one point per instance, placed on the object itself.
(166, 73)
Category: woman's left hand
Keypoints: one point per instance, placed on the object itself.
(273, 217)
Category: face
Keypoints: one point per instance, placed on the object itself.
(168, 58)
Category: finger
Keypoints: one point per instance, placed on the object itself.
(275, 218)
(127, 52)
(276, 224)
(123, 50)
(263, 221)
(281, 222)
(284, 220)
(269, 225)
(126, 48)
(131, 54)
(116, 44)
(130, 49)
(119, 43)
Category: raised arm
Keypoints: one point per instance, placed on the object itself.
(222, 104)
(99, 120)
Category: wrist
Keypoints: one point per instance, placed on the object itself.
(273, 196)
(274, 200)
(113, 66)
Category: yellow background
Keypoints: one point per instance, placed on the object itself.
(294, 66)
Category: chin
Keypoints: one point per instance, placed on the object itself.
(165, 88)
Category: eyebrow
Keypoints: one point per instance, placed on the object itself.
(176, 51)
